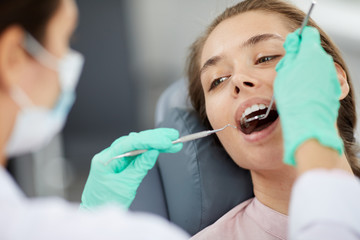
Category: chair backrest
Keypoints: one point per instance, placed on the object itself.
(201, 182)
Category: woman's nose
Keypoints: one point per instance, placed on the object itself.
(243, 83)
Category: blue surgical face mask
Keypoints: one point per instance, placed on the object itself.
(35, 126)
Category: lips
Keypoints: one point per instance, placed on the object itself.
(251, 109)
(258, 124)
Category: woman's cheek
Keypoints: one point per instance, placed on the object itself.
(215, 113)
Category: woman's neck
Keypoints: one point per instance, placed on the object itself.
(273, 187)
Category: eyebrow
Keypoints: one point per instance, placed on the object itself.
(210, 62)
(248, 43)
(261, 38)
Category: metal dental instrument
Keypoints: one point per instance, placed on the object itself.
(183, 139)
(304, 23)
(262, 116)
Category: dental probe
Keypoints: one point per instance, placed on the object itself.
(304, 23)
(183, 139)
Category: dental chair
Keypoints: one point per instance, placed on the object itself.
(196, 186)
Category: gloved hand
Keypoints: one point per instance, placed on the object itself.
(118, 181)
(307, 93)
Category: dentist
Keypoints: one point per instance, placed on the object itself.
(38, 76)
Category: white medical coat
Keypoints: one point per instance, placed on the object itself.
(24, 218)
(325, 204)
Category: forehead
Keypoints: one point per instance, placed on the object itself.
(236, 30)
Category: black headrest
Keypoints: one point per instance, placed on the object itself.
(201, 182)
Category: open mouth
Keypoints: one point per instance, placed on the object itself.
(257, 125)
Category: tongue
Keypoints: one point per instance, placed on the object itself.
(258, 125)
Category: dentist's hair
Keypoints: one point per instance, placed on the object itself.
(32, 15)
(293, 19)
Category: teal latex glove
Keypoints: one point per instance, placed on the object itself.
(118, 181)
(307, 93)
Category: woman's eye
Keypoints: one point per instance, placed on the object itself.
(266, 59)
(217, 82)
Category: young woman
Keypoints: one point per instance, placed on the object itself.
(231, 72)
(38, 75)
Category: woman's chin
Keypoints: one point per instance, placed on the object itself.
(260, 158)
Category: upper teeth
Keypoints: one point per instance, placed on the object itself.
(253, 108)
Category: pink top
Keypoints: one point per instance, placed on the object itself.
(249, 220)
(324, 205)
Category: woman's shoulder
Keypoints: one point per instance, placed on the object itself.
(236, 211)
(224, 225)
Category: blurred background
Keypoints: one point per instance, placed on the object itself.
(134, 50)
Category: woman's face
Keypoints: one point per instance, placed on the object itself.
(237, 74)
(40, 83)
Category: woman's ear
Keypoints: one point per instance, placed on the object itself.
(12, 56)
(341, 74)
